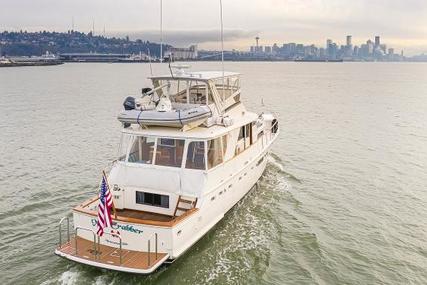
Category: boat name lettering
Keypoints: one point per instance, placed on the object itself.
(116, 226)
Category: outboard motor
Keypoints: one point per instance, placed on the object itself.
(129, 103)
(144, 91)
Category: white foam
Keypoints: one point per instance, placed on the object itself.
(276, 163)
(69, 277)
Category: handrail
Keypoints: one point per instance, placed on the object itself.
(149, 248)
(94, 239)
(120, 239)
(60, 230)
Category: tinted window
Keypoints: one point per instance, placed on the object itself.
(152, 199)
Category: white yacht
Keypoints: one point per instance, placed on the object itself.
(189, 152)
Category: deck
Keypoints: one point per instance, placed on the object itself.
(136, 217)
(109, 257)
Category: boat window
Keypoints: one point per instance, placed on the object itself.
(248, 135)
(215, 155)
(142, 150)
(151, 199)
(245, 138)
(123, 147)
(169, 152)
(196, 155)
(224, 144)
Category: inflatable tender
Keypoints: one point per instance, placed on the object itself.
(174, 118)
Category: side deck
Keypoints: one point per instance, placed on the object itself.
(87, 252)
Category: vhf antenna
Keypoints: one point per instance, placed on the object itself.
(222, 50)
(161, 31)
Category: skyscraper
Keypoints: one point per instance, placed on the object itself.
(349, 41)
(377, 41)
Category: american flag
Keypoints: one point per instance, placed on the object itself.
(104, 208)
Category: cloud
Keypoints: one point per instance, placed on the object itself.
(183, 38)
(190, 21)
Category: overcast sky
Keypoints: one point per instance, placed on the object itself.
(400, 23)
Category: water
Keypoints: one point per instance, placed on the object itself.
(343, 199)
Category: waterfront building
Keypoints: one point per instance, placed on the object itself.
(182, 53)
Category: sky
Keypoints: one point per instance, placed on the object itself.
(400, 23)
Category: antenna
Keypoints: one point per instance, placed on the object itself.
(93, 27)
(161, 31)
(170, 67)
(222, 49)
(72, 23)
(149, 60)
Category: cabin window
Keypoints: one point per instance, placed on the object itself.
(248, 135)
(196, 155)
(224, 144)
(169, 152)
(142, 150)
(245, 138)
(215, 154)
(151, 199)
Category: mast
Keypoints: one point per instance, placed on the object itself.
(161, 30)
(222, 50)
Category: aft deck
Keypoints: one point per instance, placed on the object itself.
(102, 256)
(137, 217)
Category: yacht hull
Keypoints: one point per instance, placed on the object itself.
(174, 240)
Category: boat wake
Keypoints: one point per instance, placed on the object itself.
(276, 162)
(243, 240)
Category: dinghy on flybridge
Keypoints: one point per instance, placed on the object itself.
(189, 151)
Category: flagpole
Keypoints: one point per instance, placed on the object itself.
(112, 200)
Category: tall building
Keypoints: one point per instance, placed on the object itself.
(349, 41)
(370, 46)
(377, 41)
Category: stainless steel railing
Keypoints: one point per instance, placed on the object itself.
(120, 244)
(95, 253)
(149, 249)
(60, 230)
(97, 246)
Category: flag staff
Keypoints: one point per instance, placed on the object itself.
(112, 200)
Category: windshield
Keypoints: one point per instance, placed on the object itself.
(185, 91)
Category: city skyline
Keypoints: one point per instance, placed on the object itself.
(372, 48)
(403, 23)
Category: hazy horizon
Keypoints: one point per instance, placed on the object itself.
(401, 24)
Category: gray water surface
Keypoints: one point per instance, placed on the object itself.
(343, 199)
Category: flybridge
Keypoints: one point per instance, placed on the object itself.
(184, 100)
